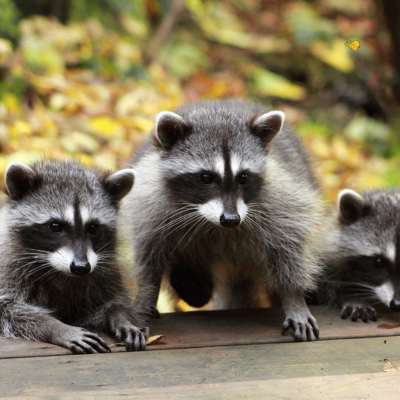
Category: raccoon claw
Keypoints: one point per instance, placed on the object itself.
(303, 331)
(355, 311)
(134, 338)
(85, 342)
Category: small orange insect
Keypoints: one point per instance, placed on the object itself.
(354, 45)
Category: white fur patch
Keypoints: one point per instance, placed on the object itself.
(92, 258)
(241, 209)
(62, 259)
(69, 215)
(385, 293)
(366, 249)
(212, 210)
(220, 166)
(84, 214)
(235, 164)
(391, 251)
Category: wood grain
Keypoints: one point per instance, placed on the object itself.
(285, 370)
(224, 328)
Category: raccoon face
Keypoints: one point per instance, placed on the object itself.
(370, 243)
(216, 166)
(64, 216)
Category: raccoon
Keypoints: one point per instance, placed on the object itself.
(362, 255)
(215, 187)
(58, 246)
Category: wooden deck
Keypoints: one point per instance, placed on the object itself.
(217, 354)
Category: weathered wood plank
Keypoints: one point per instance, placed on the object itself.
(336, 387)
(123, 373)
(221, 328)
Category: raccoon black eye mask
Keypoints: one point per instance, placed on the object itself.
(226, 183)
(362, 255)
(59, 263)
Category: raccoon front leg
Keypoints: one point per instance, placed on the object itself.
(149, 285)
(119, 318)
(298, 317)
(20, 320)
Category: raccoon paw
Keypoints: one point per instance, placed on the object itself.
(134, 338)
(81, 341)
(357, 310)
(304, 329)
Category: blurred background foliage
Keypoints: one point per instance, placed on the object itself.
(85, 79)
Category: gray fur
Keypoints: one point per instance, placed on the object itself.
(362, 255)
(277, 242)
(39, 300)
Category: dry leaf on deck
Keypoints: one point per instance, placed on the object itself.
(390, 366)
(149, 341)
(154, 339)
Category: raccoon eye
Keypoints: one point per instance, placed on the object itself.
(56, 227)
(379, 262)
(206, 178)
(243, 179)
(92, 229)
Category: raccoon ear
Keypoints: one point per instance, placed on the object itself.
(351, 205)
(119, 184)
(267, 126)
(19, 179)
(170, 127)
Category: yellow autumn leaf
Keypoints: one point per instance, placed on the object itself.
(267, 83)
(6, 51)
(143, 124)
(12, 104)
(106, 161)
(106, 127)
(154, 339)
(76, 141)
(20, 128)
(26, 157)
(333, 54)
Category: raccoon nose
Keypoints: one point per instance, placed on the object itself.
(229, 220)
(395, 305)
(80, 268)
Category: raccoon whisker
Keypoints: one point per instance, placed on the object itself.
(27, 251)
(198, 218)
(104, 268)
(270, 221)
(38, 268)
(170, 221)
(203, 221)
(253, 225)
(352, 284)
(175, 221)
(181, 224)
(48, 274)
(24, 267)
(104, 246)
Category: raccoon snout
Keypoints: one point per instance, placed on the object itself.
(80, 268)
(229, 220)
(395, 305)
